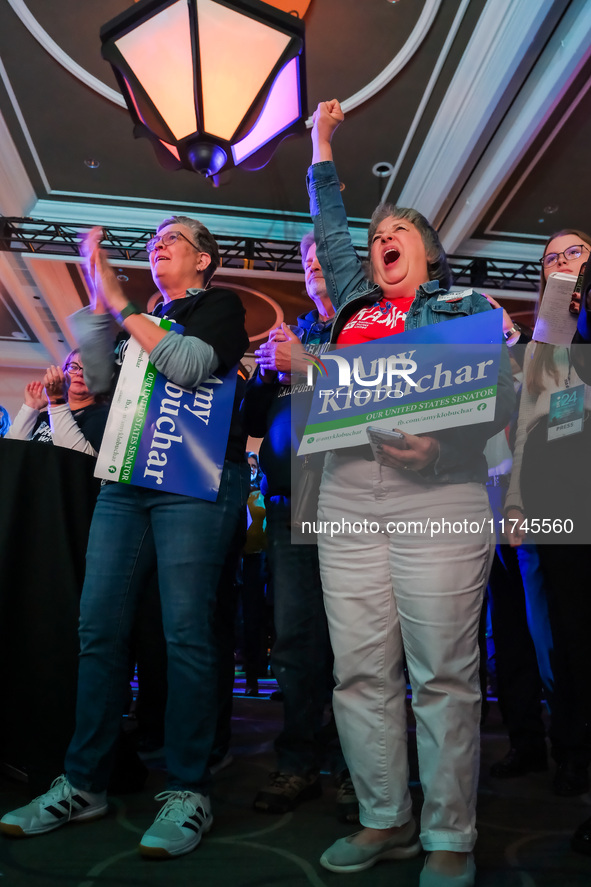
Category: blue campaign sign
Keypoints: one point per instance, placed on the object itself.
(441, 375)
(163, 436)
(182, 445)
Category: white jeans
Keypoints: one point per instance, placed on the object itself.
(390, 593)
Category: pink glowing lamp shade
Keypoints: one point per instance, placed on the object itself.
(281, 109)
(193, 71)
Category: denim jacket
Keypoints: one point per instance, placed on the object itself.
(461, 458)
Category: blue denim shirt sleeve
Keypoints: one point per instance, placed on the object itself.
(341, 266)
(458, 447)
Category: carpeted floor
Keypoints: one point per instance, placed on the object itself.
(524, 831)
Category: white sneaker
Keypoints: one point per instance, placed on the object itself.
(62, 803)
(179, 826)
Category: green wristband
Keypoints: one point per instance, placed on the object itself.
(130, 308)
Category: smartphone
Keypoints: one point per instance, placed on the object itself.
(378, 436)
(575, 301)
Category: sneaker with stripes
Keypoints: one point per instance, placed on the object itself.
(61, 804)
(180, 825)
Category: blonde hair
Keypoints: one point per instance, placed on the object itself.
(542, 362)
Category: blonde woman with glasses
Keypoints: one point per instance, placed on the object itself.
(549, 501)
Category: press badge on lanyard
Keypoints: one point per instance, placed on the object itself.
(567, 412)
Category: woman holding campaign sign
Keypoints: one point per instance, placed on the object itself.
(549, 499)
(188, 537)
(391, 591)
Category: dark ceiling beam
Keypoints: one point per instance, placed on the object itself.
(123, 245)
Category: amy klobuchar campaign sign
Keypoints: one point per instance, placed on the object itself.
(439, 376)
(163, 436)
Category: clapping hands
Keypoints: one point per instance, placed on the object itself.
(55, 384)
(35, 396)
(282, 353)
(107, 295)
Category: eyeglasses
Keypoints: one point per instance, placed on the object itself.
(74, 368)
(167, 239)
(571, 252)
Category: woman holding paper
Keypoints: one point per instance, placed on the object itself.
(549, 500)
(187, 538)
(393, 593)
(548, 372)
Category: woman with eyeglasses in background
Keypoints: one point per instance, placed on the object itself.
(61, 410)
(546, 485)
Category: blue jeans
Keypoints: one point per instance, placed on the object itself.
(189, 539)
(301, 657)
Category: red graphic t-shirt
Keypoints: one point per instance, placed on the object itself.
(383, 318)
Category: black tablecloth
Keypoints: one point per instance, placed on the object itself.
(47, 497)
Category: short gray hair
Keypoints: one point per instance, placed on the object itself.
(305, 244)
(437, 264)
(203, 239)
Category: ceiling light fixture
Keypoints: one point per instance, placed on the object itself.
(211, 83)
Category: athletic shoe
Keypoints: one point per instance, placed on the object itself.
(61, 804)
(345, 856)
(180, 825)
(286, 791)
